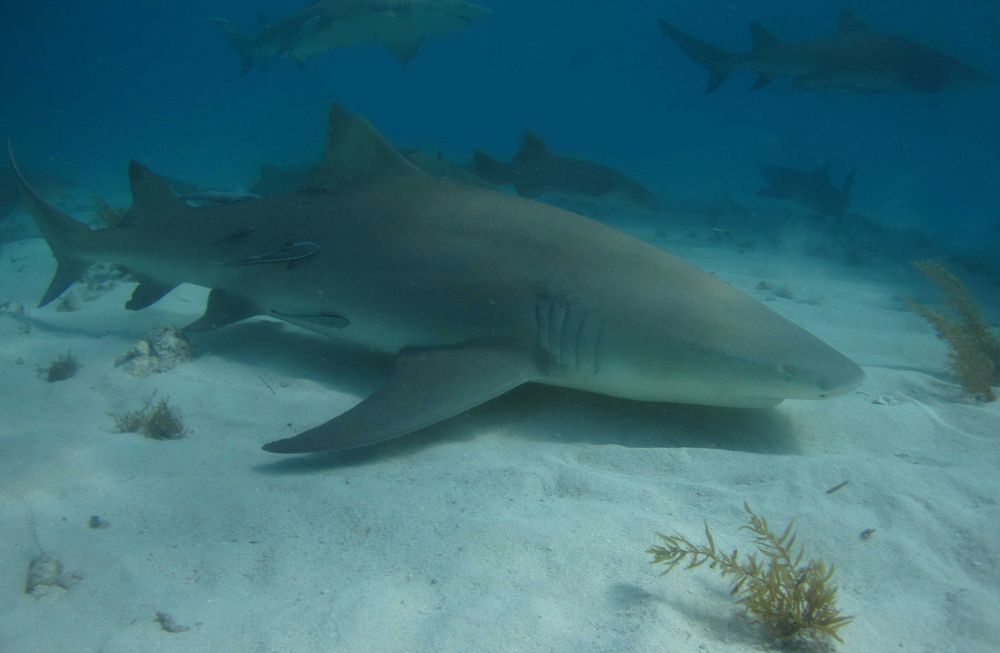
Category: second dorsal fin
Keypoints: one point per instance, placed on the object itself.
(356, 151)
(151, 195)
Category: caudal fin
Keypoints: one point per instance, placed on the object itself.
(66, 237)
(239, 42)
(717, 61)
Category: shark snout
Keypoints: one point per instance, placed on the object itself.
(831, 375)
(847, 380)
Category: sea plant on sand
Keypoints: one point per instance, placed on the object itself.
(794, 601)
(975, 350)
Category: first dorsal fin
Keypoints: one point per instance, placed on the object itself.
(356, 151)
(151, 194)
(532, 146)
(850, 24)
(761, 38)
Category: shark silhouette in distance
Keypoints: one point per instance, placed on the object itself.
(811, 189)
(325, 25)
(474, 292)
(855, 59)
(535, 170)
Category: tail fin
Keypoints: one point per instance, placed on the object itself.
(239, 42)
(717, 61)
(486, 167)
(64, 235)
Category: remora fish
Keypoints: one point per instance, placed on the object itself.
(811, 189)
(474, 292)
(854, 59)
(535, 170)
(212, 196)
(324, 25)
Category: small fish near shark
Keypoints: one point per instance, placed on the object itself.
(536, 170)
(474, 292)
(856, 59)
(325, 25)
(211, 196)
(811, 189)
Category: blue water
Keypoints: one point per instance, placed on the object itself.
(88, 86)
(505, 525)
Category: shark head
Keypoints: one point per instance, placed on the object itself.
(966, 75)
(700, 341)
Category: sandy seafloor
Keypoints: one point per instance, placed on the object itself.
(520, 526)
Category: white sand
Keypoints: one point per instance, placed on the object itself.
(521, 526)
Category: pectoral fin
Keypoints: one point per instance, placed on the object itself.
(146, 294)
(427, 386)
(223, 309)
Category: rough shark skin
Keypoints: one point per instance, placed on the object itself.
(474, 292)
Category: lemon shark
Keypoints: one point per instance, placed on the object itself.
(856, 59)
(324, 25)
(536, 170)
(474, 292)
(811, 189)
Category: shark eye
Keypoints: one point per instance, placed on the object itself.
(787, 372)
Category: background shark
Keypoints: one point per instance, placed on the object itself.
(324, 25)
(473, 292)
(854, 59)
(811, 189)
(535, 170)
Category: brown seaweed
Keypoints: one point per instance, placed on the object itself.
(793, 601)
(159, 421)
(975, 351)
